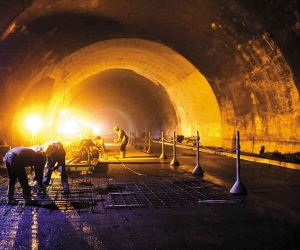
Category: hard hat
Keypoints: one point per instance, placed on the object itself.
(116, 128)
(37, 148)
(48, 149)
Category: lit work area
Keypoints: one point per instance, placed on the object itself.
(142, 125)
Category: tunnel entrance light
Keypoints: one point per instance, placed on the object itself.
(63, 112)
(70, 127)
(96, 130)
(34, 124)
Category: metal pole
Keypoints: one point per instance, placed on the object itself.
(198, 170)
(140, 140)
(135, 145)
(238, 155)
(162, 156)
(238, 187)
(149, 144)
(132, 139)
(174, 161)
(145, 144)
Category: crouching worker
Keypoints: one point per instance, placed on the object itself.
(99, 142)
(16, 160)
(56, 159)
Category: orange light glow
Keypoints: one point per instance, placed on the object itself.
(96, 130)
(70, 127)
(34, 123)
(63, 112)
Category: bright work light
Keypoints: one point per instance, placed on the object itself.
(70, 127)
(34, 123)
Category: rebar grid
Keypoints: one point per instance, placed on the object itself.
(165, 194)
(97, 195)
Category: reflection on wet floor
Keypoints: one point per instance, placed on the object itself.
(135, 185)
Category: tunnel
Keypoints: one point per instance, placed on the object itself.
(183, 66)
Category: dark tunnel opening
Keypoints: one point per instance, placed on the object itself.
(123, 98)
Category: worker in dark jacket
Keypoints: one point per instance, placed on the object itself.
(56, 159)
(38, 149)
(16, 160)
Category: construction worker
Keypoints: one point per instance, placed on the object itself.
(99, 142)
(16, 160)
(37, 149)
(123, 138)
(56, 159)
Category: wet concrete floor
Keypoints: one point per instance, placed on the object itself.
(143, 202)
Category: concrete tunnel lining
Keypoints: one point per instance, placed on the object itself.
(195, 104)
(249, 60)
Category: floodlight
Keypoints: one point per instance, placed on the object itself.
(34, 123)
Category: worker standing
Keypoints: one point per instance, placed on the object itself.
(123, 138)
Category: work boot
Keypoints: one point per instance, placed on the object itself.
(66, 191)
(122, 154)
(10, 192)
(10, 196)
(65, 186)
(47, 177)
(27, 192)
(12, 202)
(40, 189)
(31, 202)
(27, 196)
(46, 183)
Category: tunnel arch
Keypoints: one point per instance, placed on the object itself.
(249, 61)
(194, 101)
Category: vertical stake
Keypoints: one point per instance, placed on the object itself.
(163, 155)
(140, 140)
(198, 170)
(238, 187)
(149, 144)
(145, 143)
(135, 135)
(174, 161)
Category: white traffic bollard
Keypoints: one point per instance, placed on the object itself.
(238, 187)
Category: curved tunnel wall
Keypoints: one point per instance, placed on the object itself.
(246, 52)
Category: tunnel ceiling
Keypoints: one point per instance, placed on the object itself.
(237, 64)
